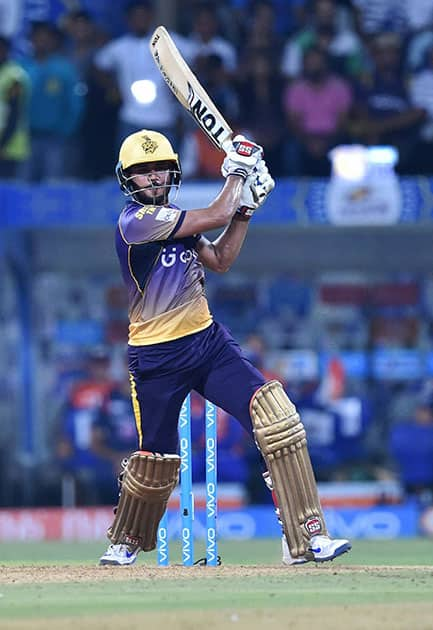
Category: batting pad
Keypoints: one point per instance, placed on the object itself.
(147, 483)
(281, 438)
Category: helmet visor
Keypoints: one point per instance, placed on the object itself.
(152, 183)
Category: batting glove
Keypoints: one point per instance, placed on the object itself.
(242, 156)
(255, 191)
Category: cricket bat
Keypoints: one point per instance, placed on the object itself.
(187, 88)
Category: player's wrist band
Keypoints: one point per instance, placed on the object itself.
(238, 172)
(243, 214)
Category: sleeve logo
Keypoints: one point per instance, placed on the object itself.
(143, 211)
(167, 215)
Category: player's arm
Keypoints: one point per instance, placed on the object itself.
(219, 255)
(241, 159)
(218, 214)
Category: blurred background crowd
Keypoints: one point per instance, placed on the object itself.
(300, 77)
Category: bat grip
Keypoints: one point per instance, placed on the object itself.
(227, 145)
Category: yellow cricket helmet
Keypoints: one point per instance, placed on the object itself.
(141, 147)
(146, 146)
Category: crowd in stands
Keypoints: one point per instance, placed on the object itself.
(369, 415)
(95, 430)
(300, 77)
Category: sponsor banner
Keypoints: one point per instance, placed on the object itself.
(260, 522)
(293, 202)
(364, 188)
(55, 524)
(397, 364)
(375, 522)
(429, 364)
(83, 332)
(364, 203)
(355, 364)
(296, 365)
(90, 524)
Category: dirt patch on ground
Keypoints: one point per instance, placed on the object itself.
(83, 573)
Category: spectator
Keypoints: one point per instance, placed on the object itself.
(330, 34)
(411, 445)
(113, 435)
(92, 475)
(382, 112)
(261, 30)
(316, 106)
(14, 92)
(421, 92)
(83, 40)
(290, 15)
(206, 40)
(96, 141)
(56, 104)
(337, 423)
(255, 349)
(128, 66)
(322, 424)
(260, 88)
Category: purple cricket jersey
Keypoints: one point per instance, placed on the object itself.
(164, 278)
(174, 345)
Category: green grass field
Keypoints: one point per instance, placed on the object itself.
(380, 584)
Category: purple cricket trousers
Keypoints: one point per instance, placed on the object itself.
(209, 362)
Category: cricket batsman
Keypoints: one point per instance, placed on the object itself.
(175, 346)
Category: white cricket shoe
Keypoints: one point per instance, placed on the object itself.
(287, 556)
(119, 555)
(322, 549)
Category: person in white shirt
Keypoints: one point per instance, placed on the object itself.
(138, 80)
(207, 42)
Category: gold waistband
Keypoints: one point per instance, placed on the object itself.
(180, 322)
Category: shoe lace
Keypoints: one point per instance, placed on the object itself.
(118, 548)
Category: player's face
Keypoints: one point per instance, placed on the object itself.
(151, 181)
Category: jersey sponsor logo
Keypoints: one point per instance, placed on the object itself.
(167, 215)
(169, 257)
(143, 211)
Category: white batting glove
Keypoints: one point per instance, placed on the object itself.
(256, 190)
(242, 156)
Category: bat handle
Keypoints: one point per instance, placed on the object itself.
(226, 145)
